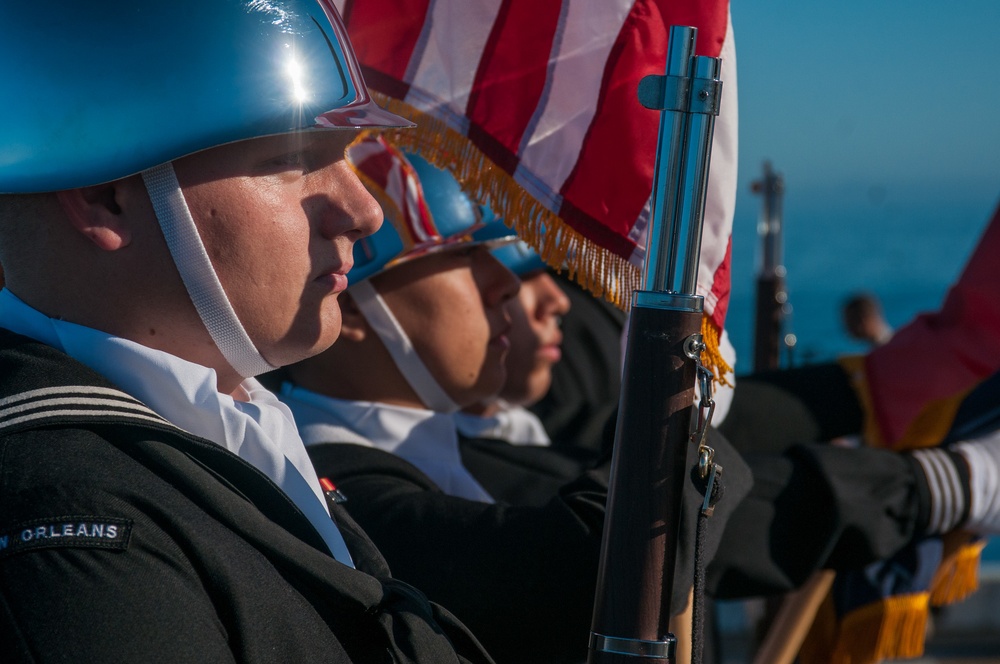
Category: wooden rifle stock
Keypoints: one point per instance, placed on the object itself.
(648, 473)
(768, 322)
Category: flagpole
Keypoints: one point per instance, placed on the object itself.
(662, 363)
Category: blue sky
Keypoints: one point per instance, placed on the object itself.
(883, 119)
(884, 92)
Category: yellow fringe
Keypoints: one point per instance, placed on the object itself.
(600, 271)
(958, 575)
(894, 628)
(711, 357)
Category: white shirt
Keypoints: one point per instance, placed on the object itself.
(425, 438)
(260, 430)
(511, 424)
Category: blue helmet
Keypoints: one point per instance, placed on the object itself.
(426, 209)
(517, 256)
(93, 92)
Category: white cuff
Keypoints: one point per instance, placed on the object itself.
(945, 485)
(983, 457)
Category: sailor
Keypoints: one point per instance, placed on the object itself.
(177, 217)
(535, 347)
(503, 444)
(426, 334)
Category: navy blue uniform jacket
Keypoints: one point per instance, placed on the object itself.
(123, 538)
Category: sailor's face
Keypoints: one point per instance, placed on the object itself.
(535, 338)
(451, 305)
(279, 217)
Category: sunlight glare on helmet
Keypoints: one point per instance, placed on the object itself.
(296, 74)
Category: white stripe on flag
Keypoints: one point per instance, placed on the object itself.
(590, 30)
(720, 202)
(449, 52)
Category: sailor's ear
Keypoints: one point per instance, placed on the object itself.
(98, 214)
(354, 326)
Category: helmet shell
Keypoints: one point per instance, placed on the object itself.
(93, 92)
(518, 256)
(426, 210)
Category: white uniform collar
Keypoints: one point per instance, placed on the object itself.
(425, 438)
(261, 430)
(511, 424)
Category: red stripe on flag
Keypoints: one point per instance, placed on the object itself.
(513, 69)
(385, 32)
(494, 150)
(385, 84)
(711, 19)
(622, 132)
(720, 287)
(616, 196)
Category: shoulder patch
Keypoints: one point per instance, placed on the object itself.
(98, 532)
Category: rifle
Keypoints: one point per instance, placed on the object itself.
(662, 362)
(772, 305)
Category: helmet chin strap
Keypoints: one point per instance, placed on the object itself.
(388, 329)
(198, 275)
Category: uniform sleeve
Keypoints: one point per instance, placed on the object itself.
(86, 578)
(534, 567)
(817, 506)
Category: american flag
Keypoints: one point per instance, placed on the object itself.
(533, 105)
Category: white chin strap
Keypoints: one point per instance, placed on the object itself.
(199, 276)
(388, 329)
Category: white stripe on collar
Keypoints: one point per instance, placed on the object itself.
(77, 401)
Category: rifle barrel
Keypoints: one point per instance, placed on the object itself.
(771, 296)
(650, 460)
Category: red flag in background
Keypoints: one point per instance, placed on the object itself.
(533, 106)
(912, 386)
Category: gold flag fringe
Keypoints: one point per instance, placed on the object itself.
(711, 357)
(892, 628)
(854, 367)
(600, 271)
(958, 575)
